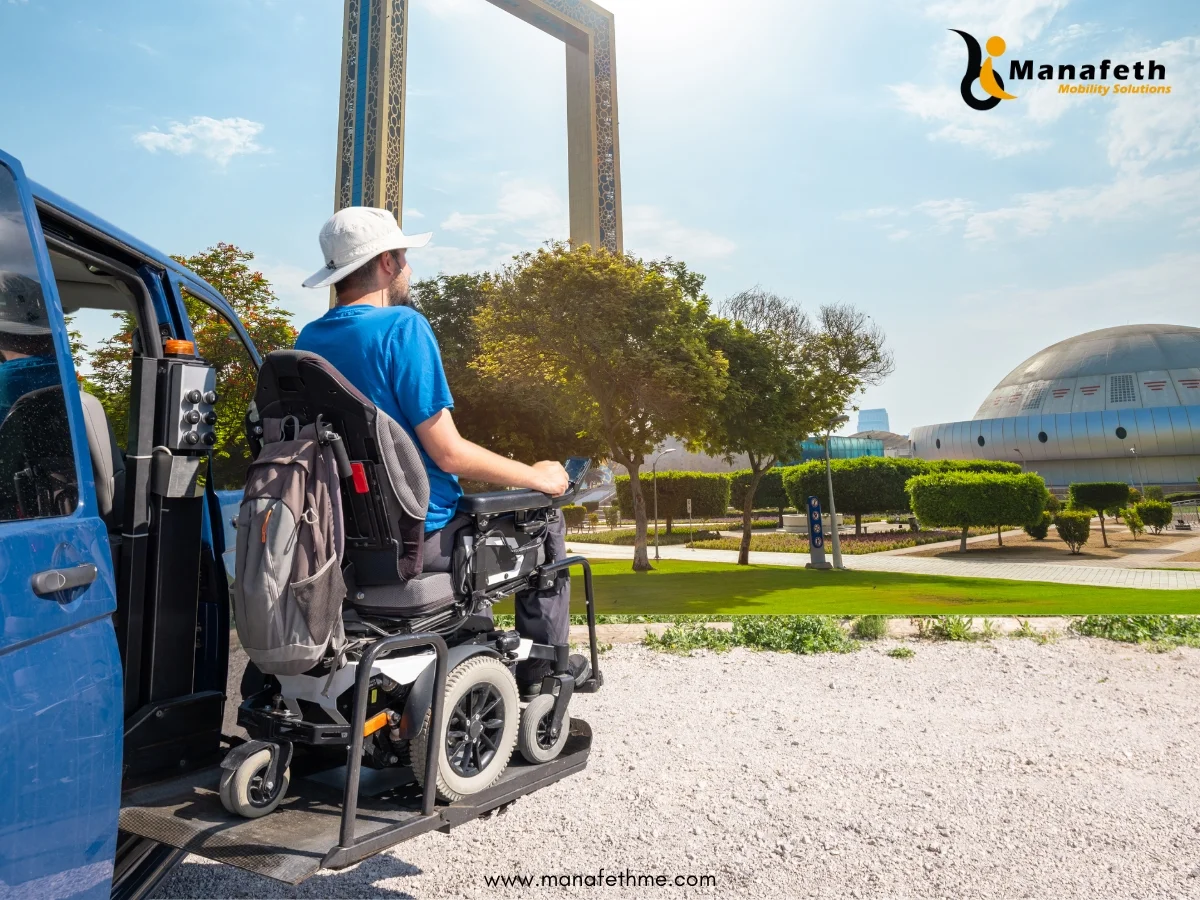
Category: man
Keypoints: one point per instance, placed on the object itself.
(27, 360)
(387, 350)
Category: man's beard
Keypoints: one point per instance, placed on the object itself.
(398, 292)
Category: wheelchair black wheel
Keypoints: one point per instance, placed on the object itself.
(534, 739)
(479, 729)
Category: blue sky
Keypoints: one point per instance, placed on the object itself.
(819, 150)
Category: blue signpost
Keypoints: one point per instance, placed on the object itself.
(816, 537)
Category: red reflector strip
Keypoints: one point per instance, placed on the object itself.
(360, 478)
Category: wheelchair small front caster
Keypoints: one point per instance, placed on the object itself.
(245, 790)
(534, 739)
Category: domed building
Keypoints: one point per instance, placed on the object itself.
(1119, 404)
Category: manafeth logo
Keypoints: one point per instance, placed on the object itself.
(983, 70)
(979, 69)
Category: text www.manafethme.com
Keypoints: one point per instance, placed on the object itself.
(602, 878)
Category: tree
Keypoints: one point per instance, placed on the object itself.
(521, 419)
(1100, 496)
(624, 339)
(223, 266)
(1155, 513)
(1133, 521)
(1155, 492)
(1074, 527)
(769, 494)
(786, 381)
(866, 484)
(983, 499)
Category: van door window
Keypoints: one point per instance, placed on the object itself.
(37, 462)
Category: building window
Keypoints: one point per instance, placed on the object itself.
(1035, 398)
(938, 443)
(1122, 433)
(1043, 437)
(980, 441)
(1121, 389)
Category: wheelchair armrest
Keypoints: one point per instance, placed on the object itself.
(495, 502)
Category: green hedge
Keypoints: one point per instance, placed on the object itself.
(708, 492)
(770, 493)
(1039, 528)
(979, 499)
(867, 484)
(1182, 495)
(995, 466)
(573, 515)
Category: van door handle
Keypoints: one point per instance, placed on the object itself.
(54, 580)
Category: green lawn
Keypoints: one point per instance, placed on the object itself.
(681, 587)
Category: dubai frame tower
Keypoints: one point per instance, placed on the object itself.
(370, 161)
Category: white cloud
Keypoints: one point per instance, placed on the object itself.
(649, 232)
(305, 303)
(532, 211)
(1072, 34)
(413, 214)
(998, 136)
(1145, 129)
(1130, 196)
(1017, 21)
(946, 212)
(217, 139)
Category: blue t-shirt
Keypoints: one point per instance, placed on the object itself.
(391, 355)
(24, 374)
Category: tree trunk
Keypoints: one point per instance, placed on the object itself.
(999, 536)
(748, 518)
(1102, 534)
(669, 522)
(641, 559)
(781, 517)
(962, 544)
(858, 524)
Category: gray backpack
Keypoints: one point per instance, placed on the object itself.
(288, 587)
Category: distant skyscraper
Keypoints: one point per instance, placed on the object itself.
(873, 420)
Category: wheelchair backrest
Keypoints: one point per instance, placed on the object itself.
(385, 497)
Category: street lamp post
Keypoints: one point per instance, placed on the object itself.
(654, 481)
(833, 523)
(1141, 477)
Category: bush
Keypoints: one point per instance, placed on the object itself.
(708, 492)
(981, 499)
(612, 516)
(1053, 504)
(1138, 629)
(1133, 521)
(994, 466)
(1154, 492)
(1074, 527)
(1155, 514)
(867, 484)
(784, 634)
(770, 493)
(592, 505)
(593, 519)
(870, 628)
(1039, 528)
(573, 515)
(1182, 495)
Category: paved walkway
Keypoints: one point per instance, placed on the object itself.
(1107, 575)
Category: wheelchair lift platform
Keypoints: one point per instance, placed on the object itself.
(303, 834)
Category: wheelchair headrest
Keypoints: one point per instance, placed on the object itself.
(307, 386)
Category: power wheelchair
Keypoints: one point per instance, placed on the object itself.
(424, 691)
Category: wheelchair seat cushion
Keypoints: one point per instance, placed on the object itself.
(420, 596)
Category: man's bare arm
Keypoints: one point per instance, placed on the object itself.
(456, 455)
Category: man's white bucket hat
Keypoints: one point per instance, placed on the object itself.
(356, 235)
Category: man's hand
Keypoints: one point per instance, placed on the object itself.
(552, 478)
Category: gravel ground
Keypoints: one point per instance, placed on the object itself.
(1008, 769)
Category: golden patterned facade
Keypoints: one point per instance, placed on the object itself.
(370, 159)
